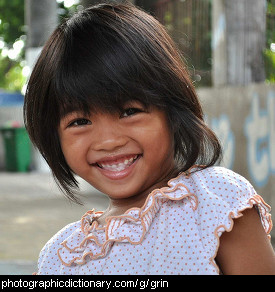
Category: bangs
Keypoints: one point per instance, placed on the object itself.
(103, 102)
(98, 100)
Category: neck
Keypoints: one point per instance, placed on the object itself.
(118, 207)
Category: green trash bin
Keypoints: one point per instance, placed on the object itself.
(17, 148)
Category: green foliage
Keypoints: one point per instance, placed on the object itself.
(65, 12)
(269, 58)
(12, 28)
(270, 23)
(269, 55)
(11, 73)
(270, 7)
(12, 20)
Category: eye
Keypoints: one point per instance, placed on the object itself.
(80, 122)
(130, 111)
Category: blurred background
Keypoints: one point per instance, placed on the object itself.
(229, 48)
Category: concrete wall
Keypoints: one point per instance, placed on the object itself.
(244, 120)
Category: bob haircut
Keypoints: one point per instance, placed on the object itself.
(100, 58)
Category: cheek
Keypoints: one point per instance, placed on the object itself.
(73, 150)
(160, 143)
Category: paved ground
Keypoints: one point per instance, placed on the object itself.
(32, 209)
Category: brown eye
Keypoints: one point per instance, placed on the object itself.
(130, 111)
(80, 122)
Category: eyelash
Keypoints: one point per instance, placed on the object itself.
(130, 112)
(125, 114)
(74, 123)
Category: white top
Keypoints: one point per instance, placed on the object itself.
(176, 231)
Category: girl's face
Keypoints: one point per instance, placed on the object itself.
(122, 155)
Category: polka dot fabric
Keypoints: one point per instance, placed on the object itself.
(176, 231)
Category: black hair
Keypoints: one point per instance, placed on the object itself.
(100, 58)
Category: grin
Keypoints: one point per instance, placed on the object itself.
(117, 165)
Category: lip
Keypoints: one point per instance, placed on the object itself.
(117, 174)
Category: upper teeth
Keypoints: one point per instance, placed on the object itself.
(118, 166)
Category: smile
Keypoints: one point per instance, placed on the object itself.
(117, 167)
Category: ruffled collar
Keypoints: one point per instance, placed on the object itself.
(92, 241)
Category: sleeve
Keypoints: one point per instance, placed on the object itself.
(238, 195)
(223, 196)
(48, 261)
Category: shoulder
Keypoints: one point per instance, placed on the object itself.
(226, 195)
(48, 261)
(219, 184)
(223, 195)
(220, 191)
(220, 179)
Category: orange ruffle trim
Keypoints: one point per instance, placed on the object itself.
(93, 241)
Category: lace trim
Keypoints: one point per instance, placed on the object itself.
(138, 219)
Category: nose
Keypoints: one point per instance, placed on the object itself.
(109, 136)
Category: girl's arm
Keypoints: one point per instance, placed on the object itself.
(246, 249)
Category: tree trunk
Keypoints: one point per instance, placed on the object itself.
(238, 41)
(41, 19)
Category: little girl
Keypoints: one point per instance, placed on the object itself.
(110, 100)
